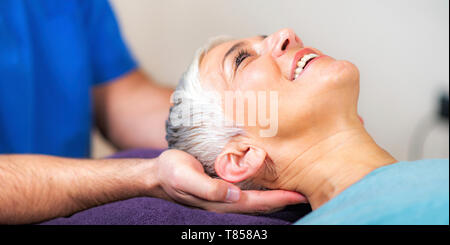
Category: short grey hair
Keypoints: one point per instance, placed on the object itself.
(202, 136)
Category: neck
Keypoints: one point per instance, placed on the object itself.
(327, 166)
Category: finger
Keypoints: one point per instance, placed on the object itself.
(252, 202)
(269, 201)
(203, 186)
(195, 202)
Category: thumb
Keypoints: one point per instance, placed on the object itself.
(233, 193)
(224, 192)
(216, 190)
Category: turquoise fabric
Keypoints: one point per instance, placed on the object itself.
(404, 193)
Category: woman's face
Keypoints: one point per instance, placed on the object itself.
(324, 91)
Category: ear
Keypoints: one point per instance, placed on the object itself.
(239, 161)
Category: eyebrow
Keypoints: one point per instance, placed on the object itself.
(236, 46)
(231, 50)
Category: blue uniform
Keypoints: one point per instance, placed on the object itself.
(51, 54)
(404, 193)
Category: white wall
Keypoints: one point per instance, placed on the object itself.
(400, 46)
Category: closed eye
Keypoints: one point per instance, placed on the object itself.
(241, 56)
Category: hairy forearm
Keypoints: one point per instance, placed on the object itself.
(35, 188)
(132, 111)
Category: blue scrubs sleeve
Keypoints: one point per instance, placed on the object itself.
(111, 57)
(52, 52)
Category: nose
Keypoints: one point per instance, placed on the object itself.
(281, 41)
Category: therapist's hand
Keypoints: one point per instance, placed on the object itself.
(183, 180)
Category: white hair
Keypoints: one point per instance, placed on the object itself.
(197, 124)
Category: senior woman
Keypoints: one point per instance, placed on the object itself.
(320, 147)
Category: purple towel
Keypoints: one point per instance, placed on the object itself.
(154, 211)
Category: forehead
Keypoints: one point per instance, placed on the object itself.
(212, 71)
(210, 68)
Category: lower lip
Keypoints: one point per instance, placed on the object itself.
(309, 64)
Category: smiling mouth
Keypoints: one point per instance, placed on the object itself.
(301, 64)
(301, 60)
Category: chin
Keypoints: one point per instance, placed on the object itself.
(341, 72)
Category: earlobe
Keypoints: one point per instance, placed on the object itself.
(235, 165)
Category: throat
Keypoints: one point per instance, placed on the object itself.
(331, 165)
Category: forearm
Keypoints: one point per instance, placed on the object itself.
(36, 187)
(132, 111)
(140, 121)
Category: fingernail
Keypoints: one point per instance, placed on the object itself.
(233, 195)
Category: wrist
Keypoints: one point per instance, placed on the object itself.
(146, 171)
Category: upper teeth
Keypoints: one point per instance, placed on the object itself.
(302, 62)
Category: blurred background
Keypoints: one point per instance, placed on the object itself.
(400, 47)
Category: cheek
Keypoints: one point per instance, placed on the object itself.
(258, 75)
(322, 96)
(254, 78)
